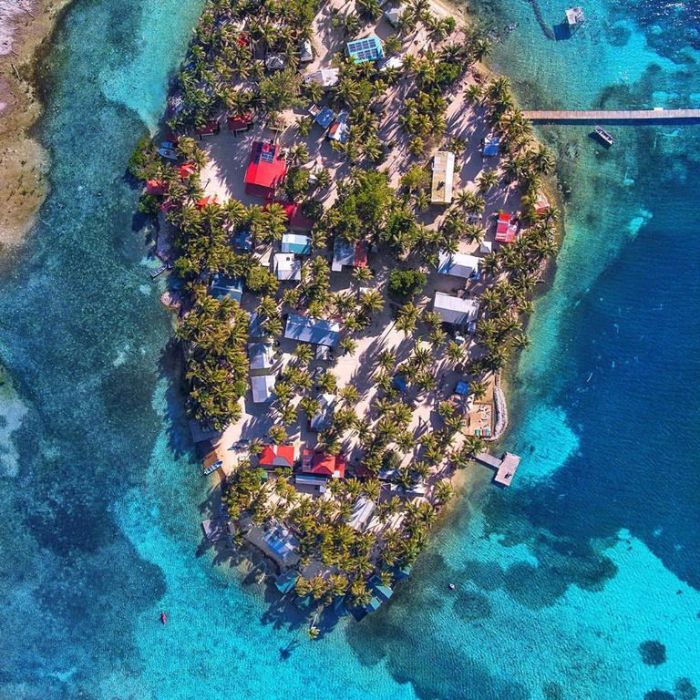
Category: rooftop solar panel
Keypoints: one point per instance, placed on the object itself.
(267, 156)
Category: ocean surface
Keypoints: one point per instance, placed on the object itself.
(580, 581)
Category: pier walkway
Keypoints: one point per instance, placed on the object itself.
(630, 116)
(505, 467)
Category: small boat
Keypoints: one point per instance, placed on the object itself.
(163, 618)
(451, 586)
(604, 136)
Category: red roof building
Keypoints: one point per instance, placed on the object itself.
(505, 228)
(240, 122)
(295, 218)
(360, 254)
(156, 187)
(266, 170)
(323, 464)
(210, 128)
(276, 456)
(186, 170)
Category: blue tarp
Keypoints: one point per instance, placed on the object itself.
(462, 388)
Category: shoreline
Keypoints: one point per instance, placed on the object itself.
(404, 474)
(26, 35)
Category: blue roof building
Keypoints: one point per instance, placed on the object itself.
(296, 243)
(492, 145)
(367, 49)
(225, 286)
(312, 330)
(325, 117)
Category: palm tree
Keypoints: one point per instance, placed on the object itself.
(407, 318)
(486, 179)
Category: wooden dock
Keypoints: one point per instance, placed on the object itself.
(505, 467)
(630, 116)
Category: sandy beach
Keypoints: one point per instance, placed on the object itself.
(25, 27)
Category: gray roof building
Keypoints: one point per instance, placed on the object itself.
(312, 330)
(454, 310)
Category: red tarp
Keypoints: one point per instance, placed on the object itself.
(206, 201)
(186, 170)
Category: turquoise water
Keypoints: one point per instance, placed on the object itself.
(592, 552)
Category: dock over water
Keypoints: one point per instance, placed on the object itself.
(630, 116)
(505, 467)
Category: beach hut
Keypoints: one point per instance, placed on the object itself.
(458, 264)
(306, 53)
(361, 514)
(506, 228)
(325, 117)
(366, 49)
(443, 177)
(224, 286)
(209, 129)
(277, 542)
(266, 169)
(339, 130)
(322, 464)
(325, 77)
(274, 62)
(311, 330)
(296, 243)
(393, 15)
(262, 356)
(323, 418)
(273, 456)
(492, 146)
(263, 387)
(454, 310)
(240, 122)
(348, 254)
(287, 267)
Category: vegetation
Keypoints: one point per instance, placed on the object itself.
(243, 60)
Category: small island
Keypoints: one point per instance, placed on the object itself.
(355, 218)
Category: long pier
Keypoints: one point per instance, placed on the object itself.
(630, 116)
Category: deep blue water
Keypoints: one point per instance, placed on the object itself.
(592, 552)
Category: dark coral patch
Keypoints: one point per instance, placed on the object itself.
(653, 653)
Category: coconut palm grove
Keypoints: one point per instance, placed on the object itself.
(354, 215)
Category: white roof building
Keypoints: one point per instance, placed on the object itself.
(262, 355)
(393, 15)
(443, 177)
(286, 266)
(361, 513)
(325, 77)
(458, 312)
(485, 247)
(458, 264)
(263, 387)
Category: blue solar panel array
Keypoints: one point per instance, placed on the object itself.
(368, 49)
(267, 156)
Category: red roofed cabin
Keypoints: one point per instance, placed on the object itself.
(156, 187)
(210, 128)
(322, 464)
(295, 218)
(242, 122)
(273, 456)
(266, 170)
(505, 228)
